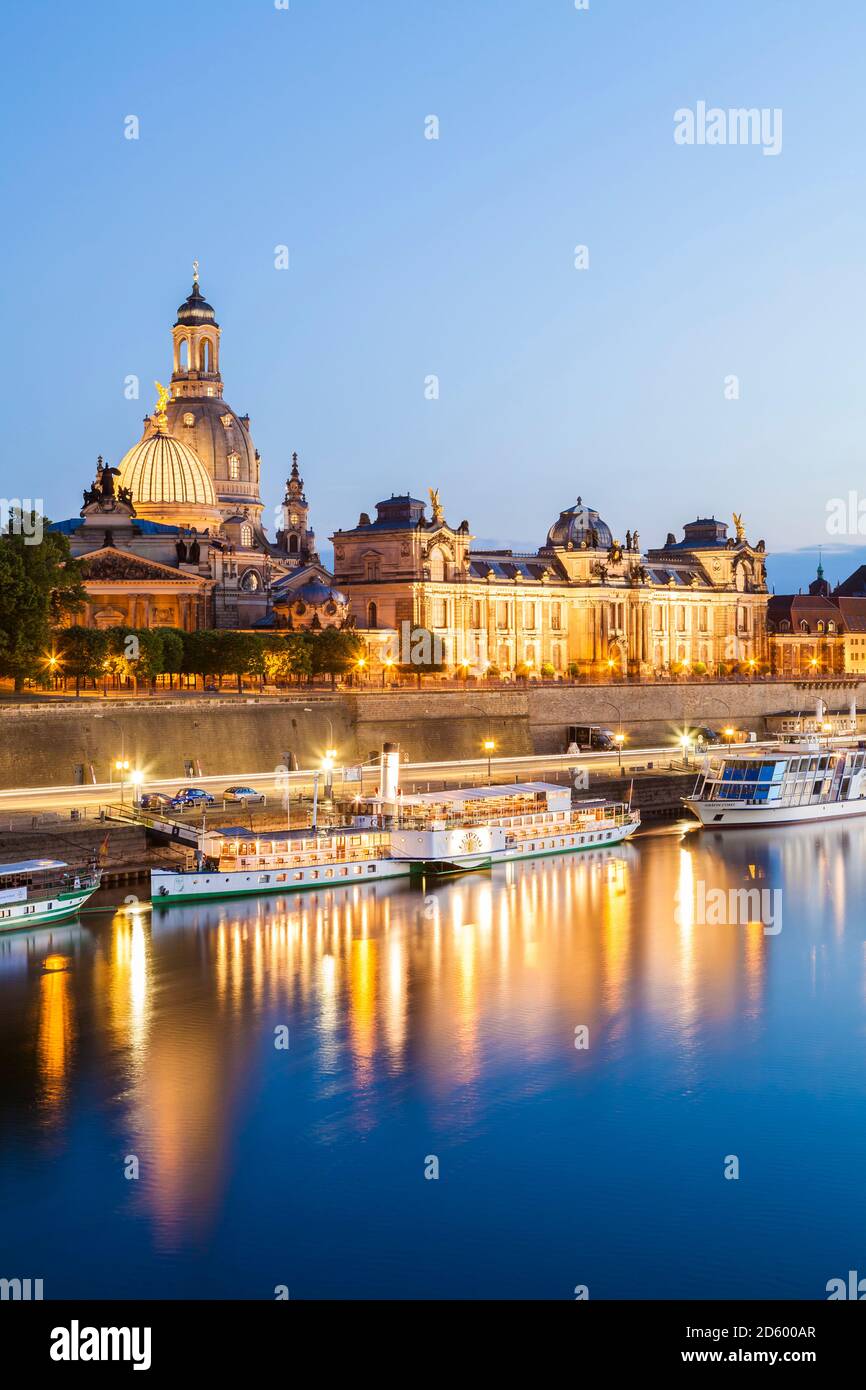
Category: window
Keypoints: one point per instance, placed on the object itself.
(529, 615)
(437, 565)
(556, 616)
(246, 535)
(371, 567)
(189, 419)
(234, 466)
(372, 615)
(440, 612)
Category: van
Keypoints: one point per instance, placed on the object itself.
(591, 737)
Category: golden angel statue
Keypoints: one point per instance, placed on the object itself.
(163, 398)
(740, 528)
(438, 514)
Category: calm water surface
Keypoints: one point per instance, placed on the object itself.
(444, 1026)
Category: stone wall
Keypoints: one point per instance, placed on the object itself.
(48, 743)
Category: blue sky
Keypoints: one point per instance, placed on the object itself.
(411, 257)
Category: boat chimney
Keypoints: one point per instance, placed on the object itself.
(853, 713)
(389, 772)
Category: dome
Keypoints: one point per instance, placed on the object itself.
(576, 524)
(315, 593)
(195, 309)
(221, 440)
(167, 481)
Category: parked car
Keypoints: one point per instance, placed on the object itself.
(244, 796)
(155, 801)
(193, 797)
(702, 734)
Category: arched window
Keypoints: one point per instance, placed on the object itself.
(293, 545)
(437, 565)
(246, 535)
(820, 627)
(250, 582)
(183, 354)
(804, 626)
(372, 615)
(205, 356)
(234, 466)
(831, 627)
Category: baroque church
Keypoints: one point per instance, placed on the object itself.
(173, 536)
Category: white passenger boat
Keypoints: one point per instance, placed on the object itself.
(36, 891)
(787, 784)
(439, 832)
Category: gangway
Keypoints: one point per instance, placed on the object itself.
(176, 832)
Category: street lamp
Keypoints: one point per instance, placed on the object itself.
(685, 744)
(328, 768)
(359, 666)
(729, 734)
(619, 740)
(389, 662)
(121, 765)
(136, 779)
(489, 746)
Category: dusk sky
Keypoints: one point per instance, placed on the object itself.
(409, 257)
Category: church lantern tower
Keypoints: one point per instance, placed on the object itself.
(295, 537)
(196, 336)
(199, 417)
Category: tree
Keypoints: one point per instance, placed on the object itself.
(333, 651)
(82, 652)
(172, 653)
(40, 585)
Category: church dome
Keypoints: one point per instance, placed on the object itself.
(167, 481)
(195, 310)
(580, 525)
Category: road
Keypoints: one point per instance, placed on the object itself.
(413, 777)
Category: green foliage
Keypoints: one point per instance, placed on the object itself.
(40, 585)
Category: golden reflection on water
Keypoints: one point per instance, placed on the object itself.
(444, 988)
(54, 1037)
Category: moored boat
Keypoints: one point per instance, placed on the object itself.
(787, 784)
(436, 833)
(35, 891)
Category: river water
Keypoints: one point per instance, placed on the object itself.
(581, 1047)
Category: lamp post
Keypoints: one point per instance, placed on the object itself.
(386, 667)
(328, 769)
(685, 744)
(136, 779)
(121, 765)
(489, 747)
(619, 740)
(360, 666)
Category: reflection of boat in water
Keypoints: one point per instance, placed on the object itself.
(787, 785)
(36, 891)
(435, 833)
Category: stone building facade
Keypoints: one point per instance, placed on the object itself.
(584, 601)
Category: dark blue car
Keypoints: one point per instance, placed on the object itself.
(191, 797)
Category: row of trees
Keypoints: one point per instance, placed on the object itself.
(144, 656)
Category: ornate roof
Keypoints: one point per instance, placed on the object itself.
(580, 525)
(195, 309)
(160, 469)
